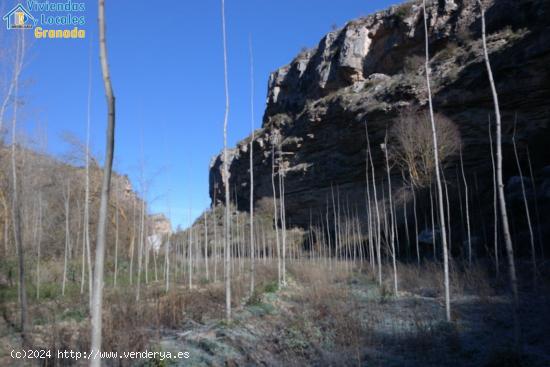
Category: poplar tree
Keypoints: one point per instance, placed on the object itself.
(437, 173)
(500, 184)
(97, 289)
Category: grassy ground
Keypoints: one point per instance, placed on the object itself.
(334, 315)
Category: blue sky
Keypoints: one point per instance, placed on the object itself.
(167, 70)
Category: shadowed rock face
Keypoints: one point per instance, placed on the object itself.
(367, 71)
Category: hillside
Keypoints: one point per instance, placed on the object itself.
(371, 70)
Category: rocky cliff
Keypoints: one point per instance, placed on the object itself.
(368, 71)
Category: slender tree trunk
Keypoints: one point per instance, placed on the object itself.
(190, 251)
(406, 219)
(500, 182)
(283, 217)
(275, 212)
(227, 246)
(105, 190)
(370, 236)
(537, 214)
(16, 208)
(86, 235)
(132, 241)
(392, 221)
(116, 232)
(38, 245)
(378, 221)
(167, 263)
(466, 197)
(527, 213)
(67, 236)
(252, 255)
(206, 245)
(495, 204)
(140, 250)
(215, 224)
(415, 226)
(437, 174)
(433, 223)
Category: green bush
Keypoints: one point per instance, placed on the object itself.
(271, 287)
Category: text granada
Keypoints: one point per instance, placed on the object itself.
(59, 33)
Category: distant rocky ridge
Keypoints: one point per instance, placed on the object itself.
(367, 71)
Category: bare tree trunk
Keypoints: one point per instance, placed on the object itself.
(67, 198)
(437, 174)
(117, 193)
(206, 245)
(16, 209)
(335, 217)
(500, 182)
(537, 214)
(495, 203)
(167, 263)
(132, 241)
(86, 235)
(252, 260)
(466, 196)
(227, 246)
(283, 217)
(392, 221)
(155, 263)
(275, 212)
(140, 250)
(190, 251)
(370, 236)
(215, 224)
(378, 221)
(38, 245)
(105, 189)
(433, 222)
(416, 227)
(406, 219)
(527, 213)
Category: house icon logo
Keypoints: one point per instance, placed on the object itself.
(19, 18)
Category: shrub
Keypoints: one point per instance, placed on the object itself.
(411, 144)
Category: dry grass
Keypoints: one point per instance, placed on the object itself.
(427, 280)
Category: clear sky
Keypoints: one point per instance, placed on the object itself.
(167, 69)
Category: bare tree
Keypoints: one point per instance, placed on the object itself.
(86, 222)
(16, 207)
(392, 221)
(437, 176)
(495, 203)
(190, 251)
(38, 230)
(206, 245)
(275, 212)
(67, 199)
(282, 211)
(117, 208)
(97, 289)
(378, 221)
(527, 212)
(227, 247)
(141, 243)
(467, 199)
(537, 214)
(500, 182)
(252, 270)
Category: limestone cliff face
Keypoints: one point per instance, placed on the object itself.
(366, 72)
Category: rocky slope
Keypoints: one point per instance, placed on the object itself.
(367, 71)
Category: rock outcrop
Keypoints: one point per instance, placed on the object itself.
(367, 71)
